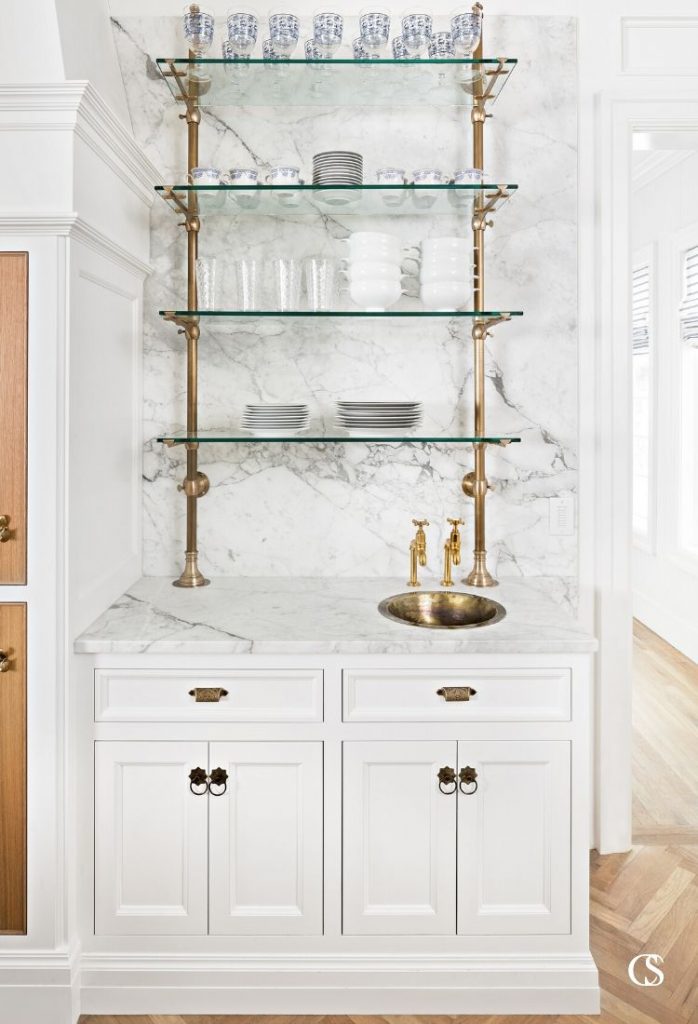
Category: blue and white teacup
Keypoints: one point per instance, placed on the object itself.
(392, 176)
(417, 31)
(441, 46)
(285, 174)
(428, 176)
(469, 176)
(238, 176)
(205, 176)
(374, 28)
(400, 51)
(243, 176)
(284, 30)
(328, 29)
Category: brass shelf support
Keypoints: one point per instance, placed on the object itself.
(195, 484)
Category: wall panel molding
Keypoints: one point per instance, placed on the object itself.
(659, 46)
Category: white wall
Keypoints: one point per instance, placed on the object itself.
(665, 579)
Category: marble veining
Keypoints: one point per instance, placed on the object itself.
(345, 510)
(319, 615)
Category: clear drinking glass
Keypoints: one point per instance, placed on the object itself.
(466, 29)
(284, 31)
(441, 46)
(320, 283)
(242, 33)
(206, 282)
(328, 28)
(198, 29)
(248, 277)
(285, 278)
(374, 28)
(416, 32)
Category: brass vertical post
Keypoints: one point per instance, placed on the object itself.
(475, 484)
(195, 483)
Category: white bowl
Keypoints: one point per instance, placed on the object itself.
(445, 296)
(368, 271)
(371, 238)
(375, 296)
(439, 247)
(432, 275)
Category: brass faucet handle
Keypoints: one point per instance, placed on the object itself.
(456, 522)
(420, 523)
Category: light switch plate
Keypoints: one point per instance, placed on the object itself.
(561, 513)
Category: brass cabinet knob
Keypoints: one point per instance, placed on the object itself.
(4, 528)
(450, 693)
(208, 694)
(447, 777)
(5, 662)
(467, 777)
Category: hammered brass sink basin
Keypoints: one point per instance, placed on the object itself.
(440, 609)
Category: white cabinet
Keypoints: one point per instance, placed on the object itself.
(399, 839)
(487, 858)
(266, 840)
(151, 839)
(169, 860)
(514, 838)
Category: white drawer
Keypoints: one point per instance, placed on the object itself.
(502, 695)
(135, 695)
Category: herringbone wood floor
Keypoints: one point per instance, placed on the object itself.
(645, 900)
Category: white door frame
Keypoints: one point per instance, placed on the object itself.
(645, 104)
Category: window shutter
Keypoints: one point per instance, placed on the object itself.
(688, 310)
(641, 307)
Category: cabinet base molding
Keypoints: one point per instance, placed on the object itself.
(127, 984)
(39, 988)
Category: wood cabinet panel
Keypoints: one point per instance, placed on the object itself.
(14, 268)
(13, 771)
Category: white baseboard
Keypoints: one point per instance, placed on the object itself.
(39, 989)
(465, 985)
(679, 632)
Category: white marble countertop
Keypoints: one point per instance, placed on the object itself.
(321, 615)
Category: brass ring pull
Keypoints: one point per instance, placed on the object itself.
(218, 777)
(5, 662)
(450, 693)
(5, 531)
(467, 777)
(198, 777)
(208, 694)
(447, 777)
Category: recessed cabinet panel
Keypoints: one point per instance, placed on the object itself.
(266, 870)
(13, 769)
(514, 839)
(151, 839)
(14, 268)
(399, 839)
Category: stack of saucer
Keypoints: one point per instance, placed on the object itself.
(379, 419)
(338, 168)
(264, 420)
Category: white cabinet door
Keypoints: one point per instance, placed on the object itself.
(266, 845)
(399, 839)
(514, 839)
(150, 839)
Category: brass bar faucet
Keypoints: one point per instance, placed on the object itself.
(418, 551)
(451, 552)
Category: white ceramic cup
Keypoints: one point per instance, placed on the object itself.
(371, 238)
(243, 176)
(284, 174)
(205, 176)
(367, 270)
(441, 247)
(375, 296)
(454, 273)
(445, 296)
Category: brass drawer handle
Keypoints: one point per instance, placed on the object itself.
(450, 693)
(208, 694)
(467, 777)
(5, 661)
(218, 777)
(198, 777)
(5, 531)
(447, 777)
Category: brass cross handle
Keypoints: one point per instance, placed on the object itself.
(5, 662)
(5, 531)
(467, 777)
(447, 777)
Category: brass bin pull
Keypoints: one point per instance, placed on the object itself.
(5, 531)
(450, 693)
(447, 777)
(198, 777)
(218, 777)
(208, 694)
(467, 777)
(5, 661)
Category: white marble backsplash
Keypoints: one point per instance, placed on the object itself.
(346, 510)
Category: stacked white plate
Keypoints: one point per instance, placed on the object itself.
(379, 419)
(265, 420)
(337, 167)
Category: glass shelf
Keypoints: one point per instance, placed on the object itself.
(232, 316)
(216, 437)
(347, 200)
(333, 83)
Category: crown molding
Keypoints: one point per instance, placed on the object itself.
(78, 107)
(70, 225)
(657, 164)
